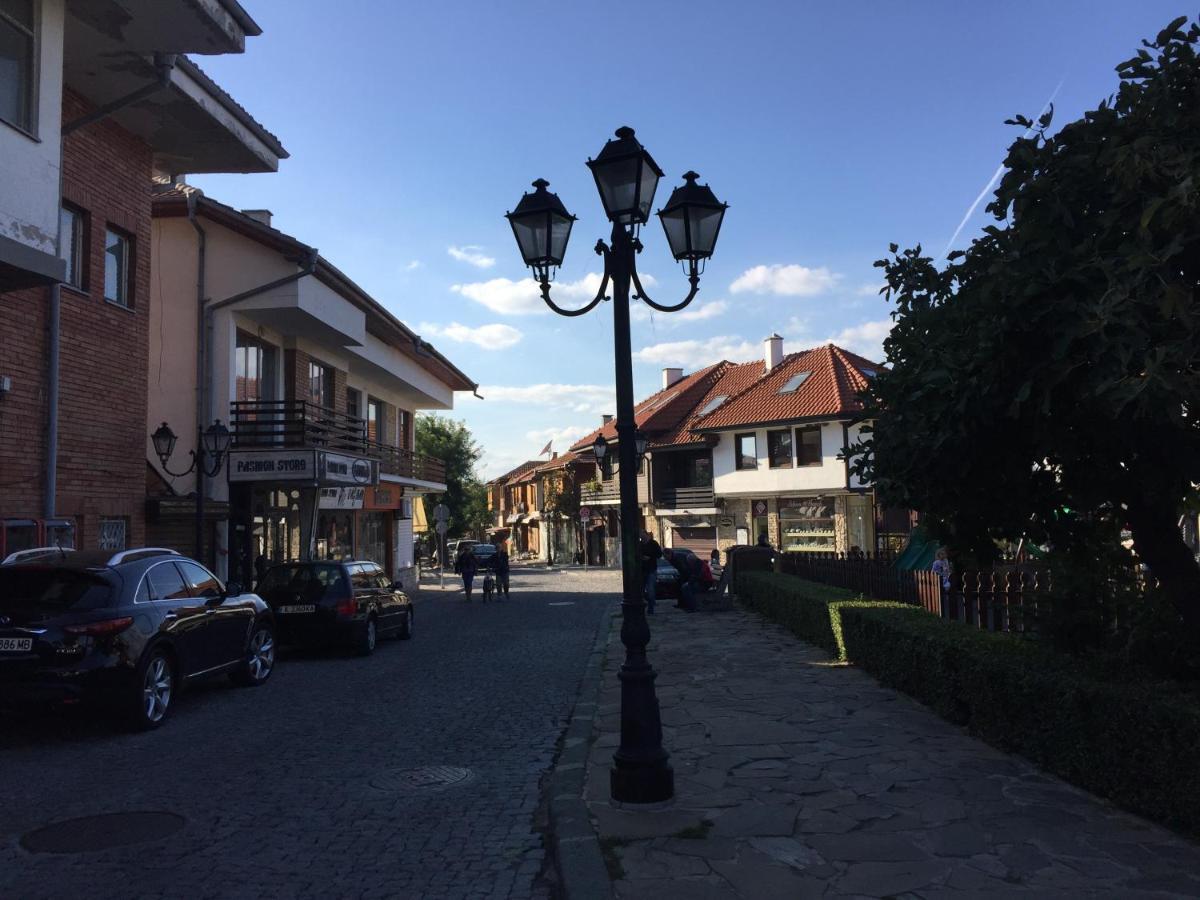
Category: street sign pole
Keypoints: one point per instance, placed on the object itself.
(441, 517)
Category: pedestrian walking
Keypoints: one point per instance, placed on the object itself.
(943, 569)
(499, 564)
(764, 541)
(650, 553)
(466, 565)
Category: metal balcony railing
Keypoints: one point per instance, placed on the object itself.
(257, 424)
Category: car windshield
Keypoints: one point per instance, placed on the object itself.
(483, 549)
(306, 578)
(37, 587)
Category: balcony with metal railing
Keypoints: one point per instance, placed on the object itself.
(295, 424)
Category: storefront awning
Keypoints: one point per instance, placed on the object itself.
(420, 523)
(515, 519)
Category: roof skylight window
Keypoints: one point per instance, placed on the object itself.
(713, 403)
(793, 383)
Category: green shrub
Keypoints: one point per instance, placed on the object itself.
(1135, 742)
(811, 611)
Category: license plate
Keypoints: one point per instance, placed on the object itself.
(16, 645)
(303, 608)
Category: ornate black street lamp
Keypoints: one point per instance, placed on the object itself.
(214, 442)
(626, 177)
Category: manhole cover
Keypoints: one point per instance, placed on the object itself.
(423, 780)
(92, 833)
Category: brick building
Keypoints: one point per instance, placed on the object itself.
(106, 109)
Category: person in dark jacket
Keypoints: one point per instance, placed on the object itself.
(688, 567)
(650, 553)
(466, 565)
(499, 565)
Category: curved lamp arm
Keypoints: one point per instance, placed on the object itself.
(544, 284)
(191, 468)
(640, 292)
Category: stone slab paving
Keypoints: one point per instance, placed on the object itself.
(799, 777)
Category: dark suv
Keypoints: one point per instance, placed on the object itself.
(348, 603)
(127, 629)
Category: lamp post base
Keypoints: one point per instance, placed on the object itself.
(645, 783)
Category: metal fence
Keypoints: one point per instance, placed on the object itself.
(1000, 600)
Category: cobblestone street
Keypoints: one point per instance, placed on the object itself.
(292, 790)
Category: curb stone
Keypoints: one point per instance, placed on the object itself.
(574, 847)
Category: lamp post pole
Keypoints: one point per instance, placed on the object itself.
(212, 442)
(626, 177)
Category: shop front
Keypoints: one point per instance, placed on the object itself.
(288, 505)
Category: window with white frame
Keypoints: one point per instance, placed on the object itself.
(18, 64)
(112, 534)
(117, 256)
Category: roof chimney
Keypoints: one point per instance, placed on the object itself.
(772, 352)
(670, 376)
(258, 215)
(605, 419)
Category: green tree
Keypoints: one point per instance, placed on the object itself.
(451, 441)
(1045, 382)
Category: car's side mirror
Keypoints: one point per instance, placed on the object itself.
(397, 586)
(233, 588)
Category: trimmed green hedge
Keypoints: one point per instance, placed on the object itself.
(1135, 742)
(811, 611)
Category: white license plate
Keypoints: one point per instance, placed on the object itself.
(304, 608)
(16, 645)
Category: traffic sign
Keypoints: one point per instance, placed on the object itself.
(441, 512)
(584, 513)
(441, 527)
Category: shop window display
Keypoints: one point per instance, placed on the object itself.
(807, 525)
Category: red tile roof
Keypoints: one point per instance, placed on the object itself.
(664, 411)
(836, 376)
(519, 470)
(732, 380)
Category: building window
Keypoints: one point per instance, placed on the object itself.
(779, 449)
(375, 423)
(254, 364)
(745, 449)
(60, 533)
(118, 251)
(18, 63)
(74, 246)
(320, 384)
(808, 446)
(353, 402)
(112, 534)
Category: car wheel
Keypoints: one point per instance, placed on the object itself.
(260, 658)
(155, 693)
(406, 630)
(367, 639)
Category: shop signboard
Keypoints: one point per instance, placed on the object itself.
(341, 498)
(273, 465)
(725, 521)
(759, 508)
(383, 496)
(340, 469)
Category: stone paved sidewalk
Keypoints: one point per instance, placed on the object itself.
(797, 777)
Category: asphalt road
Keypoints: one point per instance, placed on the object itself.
(303, 787)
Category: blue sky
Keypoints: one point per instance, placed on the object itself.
(831, 129)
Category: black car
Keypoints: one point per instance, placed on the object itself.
(666, 580)
(128, 629)
(336, 602)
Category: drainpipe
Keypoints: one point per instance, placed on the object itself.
(201, 418)
(164, 64)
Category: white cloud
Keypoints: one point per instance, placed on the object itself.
(701, 312)
(695, 354)
(871, 290)
(472, 256)
(796, 329)
(413, 264)
(524, 297)
(579, 398)
(865, 339)
(562, 438)
(787, 281)
(496, 336)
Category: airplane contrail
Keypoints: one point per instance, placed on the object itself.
(995, 177)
